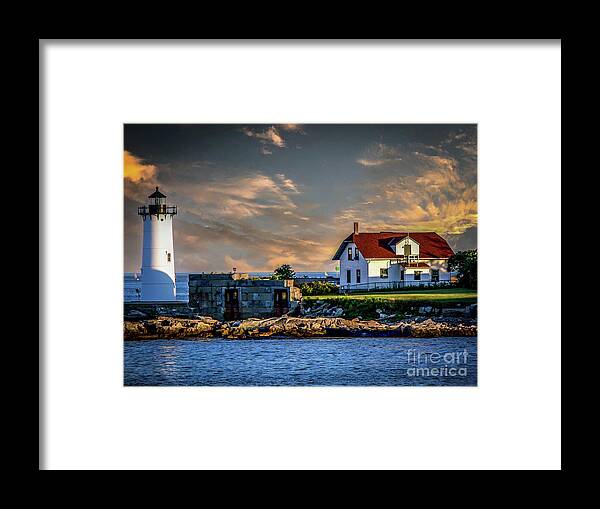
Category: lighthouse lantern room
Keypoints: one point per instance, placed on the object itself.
(158, 261)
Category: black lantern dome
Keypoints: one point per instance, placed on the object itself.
(157, 205)
(157, 194)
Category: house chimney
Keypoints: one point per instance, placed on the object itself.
(355, 227)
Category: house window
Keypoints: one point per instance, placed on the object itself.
(358, 275)
(401, 275)
(356, 253)
(349, 253)
(417, 275)
(348, 276)
(168, 257)
(435, 274)
(383, 273)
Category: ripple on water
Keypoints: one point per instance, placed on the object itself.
(302, 362)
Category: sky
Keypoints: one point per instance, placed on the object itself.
(255, 196)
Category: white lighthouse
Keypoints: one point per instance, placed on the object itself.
(158, 260)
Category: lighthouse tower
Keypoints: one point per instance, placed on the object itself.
(158, 261)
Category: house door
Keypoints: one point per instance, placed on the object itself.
(232, 304)
(282, 305)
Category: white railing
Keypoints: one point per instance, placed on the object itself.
(393, 285)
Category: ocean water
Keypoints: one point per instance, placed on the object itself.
(302, 362)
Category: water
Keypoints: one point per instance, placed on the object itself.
(302, 362)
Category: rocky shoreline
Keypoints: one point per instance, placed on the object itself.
(165, 327)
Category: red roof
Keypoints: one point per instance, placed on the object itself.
(379, 245)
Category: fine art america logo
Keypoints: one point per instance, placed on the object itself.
(451, 364)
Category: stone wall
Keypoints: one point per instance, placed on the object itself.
(256, 297)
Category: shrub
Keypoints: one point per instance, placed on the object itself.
(319, 288)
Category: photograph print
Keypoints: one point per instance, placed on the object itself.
(300, 254)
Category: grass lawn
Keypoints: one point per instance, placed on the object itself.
(441, 296)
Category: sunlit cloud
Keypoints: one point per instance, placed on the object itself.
(241, 196)
(416, 187)
(287, 184)
(268, 136)
(136, 171)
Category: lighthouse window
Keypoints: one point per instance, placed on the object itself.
(168, 257)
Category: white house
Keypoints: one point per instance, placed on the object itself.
(370, 261)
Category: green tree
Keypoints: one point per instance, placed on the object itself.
(465, 264)
(284, 272)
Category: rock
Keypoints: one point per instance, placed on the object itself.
(205, 327)
(453, 312)
(425, 310)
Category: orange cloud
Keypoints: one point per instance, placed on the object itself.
(135, 170)
(417, 192)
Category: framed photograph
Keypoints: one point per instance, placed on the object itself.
(300, 255)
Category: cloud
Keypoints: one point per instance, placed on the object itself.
(465, 240)
(379, 154)
(371, 162)
(417, 187)
(215, 242)
(287, 184)
(136, 171)
(140, 177)
(221, 194)
(269, 136)
(295, 128)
